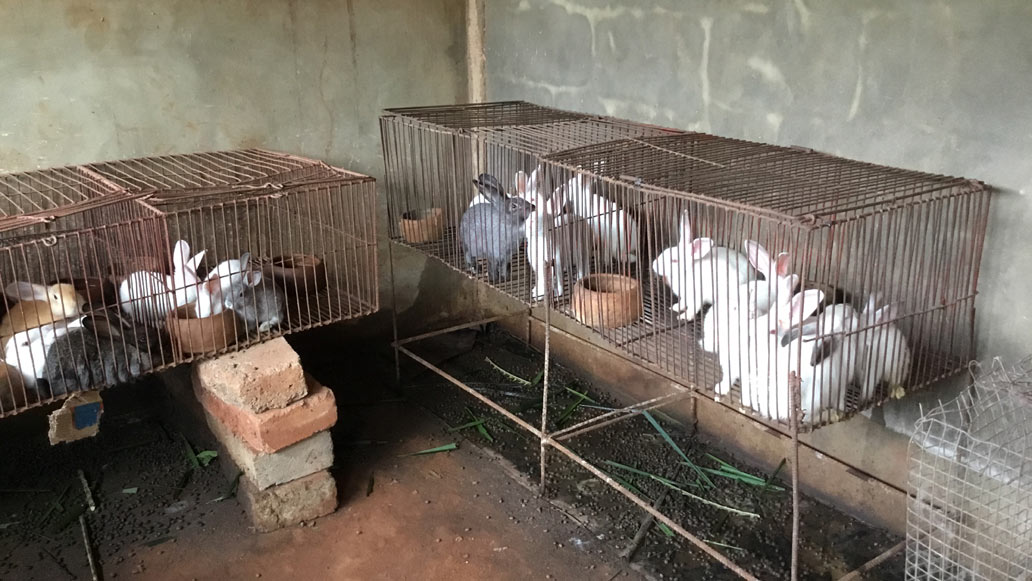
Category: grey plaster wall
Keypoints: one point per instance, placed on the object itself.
(85, 81)
(935, 86)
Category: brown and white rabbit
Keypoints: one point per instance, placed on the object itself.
(38, 305)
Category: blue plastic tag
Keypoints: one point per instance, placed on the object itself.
(86, 415)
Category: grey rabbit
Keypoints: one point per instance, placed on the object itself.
(493, 230)
(261, 306)
(107, 350)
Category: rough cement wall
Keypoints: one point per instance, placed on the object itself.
(934, 86)
(90, 80)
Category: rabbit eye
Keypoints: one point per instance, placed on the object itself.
(512, 206)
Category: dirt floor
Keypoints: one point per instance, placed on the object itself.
(470, 513)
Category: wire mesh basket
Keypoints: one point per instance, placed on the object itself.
(969, 511)
(118, 269)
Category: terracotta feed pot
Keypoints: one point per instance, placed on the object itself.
(422, 226)
(607, 300)
(197, 335)
(297, 273)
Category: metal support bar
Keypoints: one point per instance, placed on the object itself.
(649, 509)
(613, 416)
(888, 554)
(472, 392)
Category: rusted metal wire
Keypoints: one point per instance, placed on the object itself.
(118, 269)
(725, 265)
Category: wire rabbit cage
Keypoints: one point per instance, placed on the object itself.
(118, 269)
(770, 261)
(443, 161)
(969, 511)
(798, 287)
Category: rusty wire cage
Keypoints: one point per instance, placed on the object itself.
(435, 157)
(640, 234)
(767, 261)
(969, 512)
(118, 269)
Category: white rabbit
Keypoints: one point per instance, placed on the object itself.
(149, 296)
(770, 361)
(184, 279)
(27, 350)
(698, 270)
(833, 360)
(562, 241)
(219, 284)
(764, 293)
(730, 330)
(884, 353)
(615, 229)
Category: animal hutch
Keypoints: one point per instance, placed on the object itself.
(792, 286)
(114, 270)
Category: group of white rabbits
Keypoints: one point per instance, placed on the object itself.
(764, 330)
(37, 330)
(561, 228)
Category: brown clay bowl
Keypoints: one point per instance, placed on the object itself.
(202, 335)
(13, 394)
(422, 226)
(299, 274)
(607, 300)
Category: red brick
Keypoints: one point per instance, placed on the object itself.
(288, 504)
(259, 378)
(275, 429)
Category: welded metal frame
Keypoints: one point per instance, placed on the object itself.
(459, 123)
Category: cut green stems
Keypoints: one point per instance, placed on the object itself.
(702, 475)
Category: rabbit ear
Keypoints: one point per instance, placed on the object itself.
(195, 262)
(758, 257)
(782, 264)
(245, 259)
(521, 183)
(26, 291)
(823, 349)
(179, 253)
(805, 303)
(685, 229)
(885, 314)
(253, 278)
(701, 247)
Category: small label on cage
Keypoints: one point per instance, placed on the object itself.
(78, 418)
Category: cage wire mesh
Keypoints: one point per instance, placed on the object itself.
(118, 269)
(673, 247)
(969, 509)
(759, 262)
(441, 162)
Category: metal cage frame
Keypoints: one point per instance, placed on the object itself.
(309, 228)
(431, 154)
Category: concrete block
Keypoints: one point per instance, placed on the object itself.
(288, 504)
(306, 457)
(274, 429)
(266, 376)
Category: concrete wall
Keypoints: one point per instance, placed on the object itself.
(89, 80)
(934, 86)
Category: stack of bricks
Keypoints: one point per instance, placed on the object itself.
(272, 421)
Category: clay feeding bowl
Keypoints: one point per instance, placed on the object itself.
(193, 334)
(299, 274)
(422, 226)
(607, 300)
